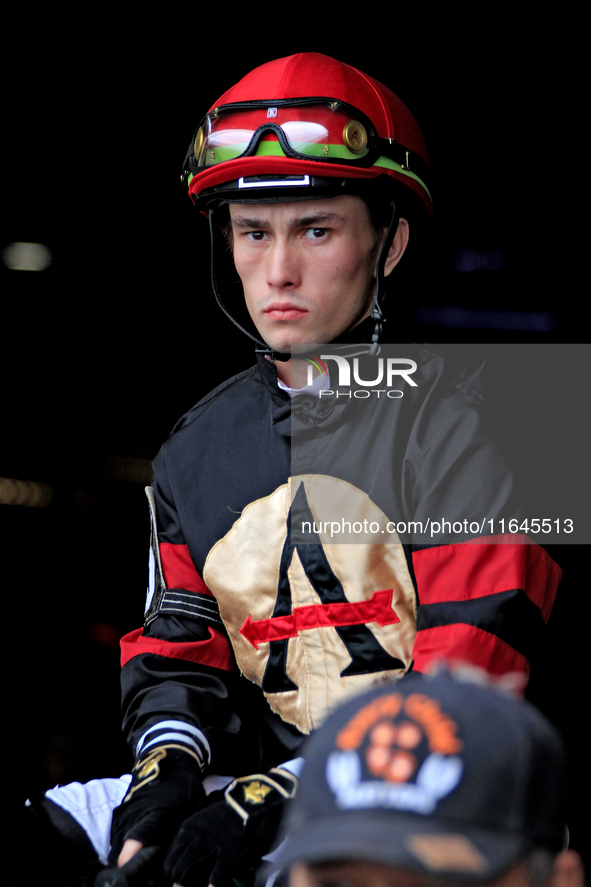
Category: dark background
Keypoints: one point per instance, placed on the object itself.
(119, 336)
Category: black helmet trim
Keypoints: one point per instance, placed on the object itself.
(279, 189)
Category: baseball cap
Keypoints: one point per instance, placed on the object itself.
(431, 774)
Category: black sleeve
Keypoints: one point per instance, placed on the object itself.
(179, 680)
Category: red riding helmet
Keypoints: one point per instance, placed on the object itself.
(302, 122)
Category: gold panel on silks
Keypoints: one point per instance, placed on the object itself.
(313, 618)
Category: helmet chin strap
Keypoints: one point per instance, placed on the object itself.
(376, 314)
(218, 245)
(362, 340)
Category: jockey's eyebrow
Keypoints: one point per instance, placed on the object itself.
(317, 220)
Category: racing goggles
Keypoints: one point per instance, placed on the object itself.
(319, 129)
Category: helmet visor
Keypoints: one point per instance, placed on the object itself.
(314, 129)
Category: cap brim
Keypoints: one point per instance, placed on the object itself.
(405, 843)
(213, 176)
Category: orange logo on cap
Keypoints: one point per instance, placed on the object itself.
(389, 754)
(351, 736)
(440, 728)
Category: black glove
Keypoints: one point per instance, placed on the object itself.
(227, 839)
(137, 872)
(166, 787)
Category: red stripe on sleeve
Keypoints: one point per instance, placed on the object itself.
(475, 569)
(215, 651)
(179, 569)
(467, 644)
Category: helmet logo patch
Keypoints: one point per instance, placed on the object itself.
(355, 137)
